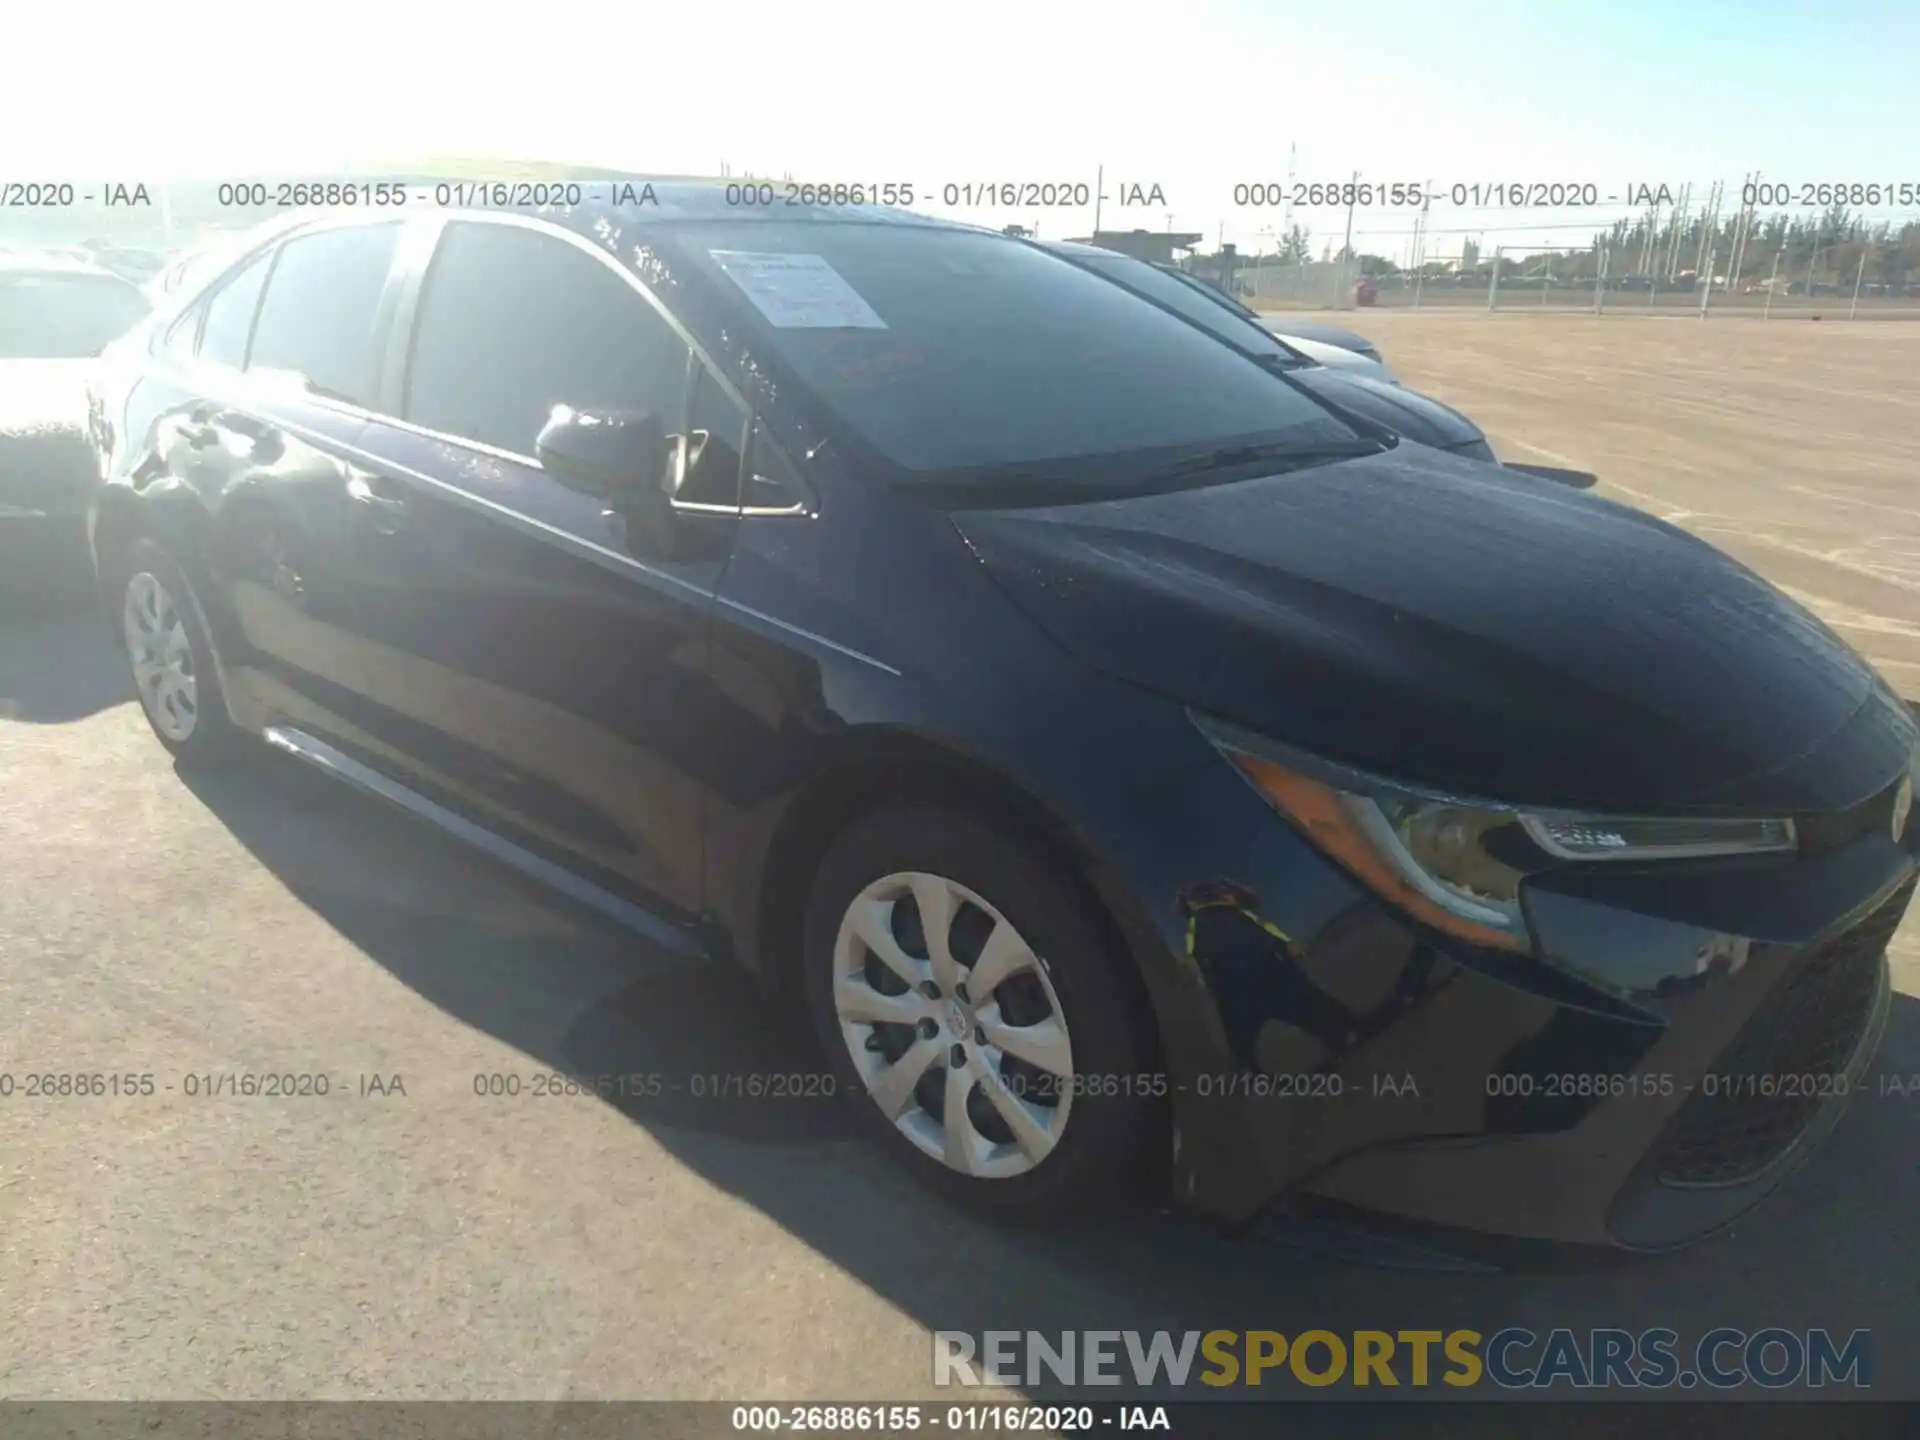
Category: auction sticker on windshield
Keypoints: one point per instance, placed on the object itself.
(798, 292)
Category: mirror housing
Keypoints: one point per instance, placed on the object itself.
(618, 457)
(1578, 479)
(613, 456)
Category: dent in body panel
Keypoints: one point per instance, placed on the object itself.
(244, 488)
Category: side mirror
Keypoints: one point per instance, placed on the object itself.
(611, 456)
(619, 457)
(1578, 479)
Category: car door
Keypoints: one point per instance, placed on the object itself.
(286, 351)
(527, 660)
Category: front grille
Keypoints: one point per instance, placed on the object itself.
(1766, 1086)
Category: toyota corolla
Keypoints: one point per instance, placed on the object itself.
(1132, 765)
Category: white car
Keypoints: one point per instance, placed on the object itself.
(1335, 357)
(1328, 344)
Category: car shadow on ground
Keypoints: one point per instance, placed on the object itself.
(1831, 1249)
(57, 660)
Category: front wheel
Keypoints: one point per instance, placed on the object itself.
(171, 657)
(972, 1004)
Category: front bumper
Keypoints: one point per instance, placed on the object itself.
(1695, 1036)
(1701, 1134)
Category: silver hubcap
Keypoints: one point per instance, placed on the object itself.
(162, 658)
(953, 1023)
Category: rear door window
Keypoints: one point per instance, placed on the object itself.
(320, 315)
(230, 312)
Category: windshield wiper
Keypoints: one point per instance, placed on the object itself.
(1277, 458)
(1069, 483)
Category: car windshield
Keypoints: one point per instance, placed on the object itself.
(64, 317)
(1211, 292)
(955, 353)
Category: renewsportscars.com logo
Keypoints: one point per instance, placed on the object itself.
(1512, 1359)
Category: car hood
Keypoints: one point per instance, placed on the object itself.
(43, 418)
(1454, 625)
(1406, 412)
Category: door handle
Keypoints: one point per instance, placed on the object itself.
(387, 513)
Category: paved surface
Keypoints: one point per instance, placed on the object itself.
(440, 1244)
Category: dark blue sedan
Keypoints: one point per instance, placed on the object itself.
(1135, 763)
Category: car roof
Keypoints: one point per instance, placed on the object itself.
(643, 200)
(607, 206)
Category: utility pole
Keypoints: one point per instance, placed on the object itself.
(1749, 188)
(1420, 252)
(1707, 221)
(1648, 263)
(1670, 242)
(1347, 264)
(1286, 211)
(1099, 194)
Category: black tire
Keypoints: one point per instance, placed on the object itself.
(1106, 1143)
(213, 738)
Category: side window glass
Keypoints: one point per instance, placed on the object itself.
(772, 482)
(716, 433)
(318, 318)
(513, 322)
(177, 339)
(230, 315)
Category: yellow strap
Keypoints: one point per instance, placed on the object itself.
(1267, 925)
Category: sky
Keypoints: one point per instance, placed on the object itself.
(1195, 97)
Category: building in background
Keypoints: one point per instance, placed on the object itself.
(1156, 247)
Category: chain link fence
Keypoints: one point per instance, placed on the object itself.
(1669, 260)
(1608, 281)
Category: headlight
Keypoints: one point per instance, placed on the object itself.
(1592, 837)
(1457, 864)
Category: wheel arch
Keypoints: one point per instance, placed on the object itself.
(898, 767)
(122, 515)
(174, 519)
